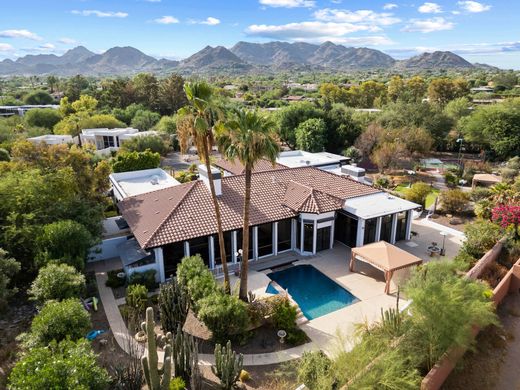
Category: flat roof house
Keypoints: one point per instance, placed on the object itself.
(52, 139)
(126, 184)
(108, 140)
(302, 209)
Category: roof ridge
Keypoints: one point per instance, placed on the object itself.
(194, 183)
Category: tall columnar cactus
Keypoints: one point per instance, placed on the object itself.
(156, 378)
(185, 355)
(227, 366)
(174, 303)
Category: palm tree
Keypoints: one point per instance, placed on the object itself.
(248, 137)
(197, 120)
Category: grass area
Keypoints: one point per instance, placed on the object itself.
(430, 199)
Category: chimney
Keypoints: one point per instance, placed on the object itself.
(217, 178)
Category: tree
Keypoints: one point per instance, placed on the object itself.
(396, 88)
(289, 118)
(387, 155)
(416, 88)
(248, 137)
(57, 282)
(171, 94)
(310, 135)
(458, 108)
(52, 82)
(369, 138)
(197, 120)
(418, 192)
(142, 143)
(146, 89)
(127, 114)
(75, 86)
(65, 241)
(42, 117)
(85, 103)
(145, 120)
(64, 365)
(454, 201)
(442, 90)
(167, 124)
(136, 161)
(342, 129)
(59, 321)
(8, 268)
(38, 97)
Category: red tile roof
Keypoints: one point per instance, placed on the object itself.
(186, 211)
(236, 167)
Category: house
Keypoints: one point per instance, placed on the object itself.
(52, 139)
(303, 209)
(483, 89)
(21, 110)
(126, 184)
(109, 140)
(301, 158)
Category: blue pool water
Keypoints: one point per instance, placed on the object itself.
(314, 292)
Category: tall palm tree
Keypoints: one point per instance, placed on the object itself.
(196, 122)
(248, 137)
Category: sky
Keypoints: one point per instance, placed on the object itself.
(486, 31)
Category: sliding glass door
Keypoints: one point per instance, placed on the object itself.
(265, 239)
(284, 235)
(386, 228)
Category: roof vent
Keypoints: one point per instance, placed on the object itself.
(154, 180)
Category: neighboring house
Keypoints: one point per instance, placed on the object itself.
(303, 209)
(126, 184)
(108, 140)
(21, 110)
(482, 90)
(301, 158)
(52, 139)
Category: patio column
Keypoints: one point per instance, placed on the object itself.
(186, 248)
(409, 215)
(388, 277)
(360, 237)
(314, 236)
(234, 247)
(352, 259)
(255, 243)
(378, 228)
(394, 228)
(159, 260)
(211, 252)
(275, 238)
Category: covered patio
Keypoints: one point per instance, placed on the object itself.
(385, 257)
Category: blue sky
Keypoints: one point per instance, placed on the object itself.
(481, 31)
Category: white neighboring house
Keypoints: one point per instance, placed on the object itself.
(126, 184)
(301, 158)
(109, 140)
(52, 139)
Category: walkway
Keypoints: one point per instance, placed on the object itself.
(126, 342)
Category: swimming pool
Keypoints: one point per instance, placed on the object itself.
(314, 292)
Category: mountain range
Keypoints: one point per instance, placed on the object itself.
(244, 57)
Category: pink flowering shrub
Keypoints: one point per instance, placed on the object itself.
(506, 216)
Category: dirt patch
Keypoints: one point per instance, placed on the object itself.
(462, 221)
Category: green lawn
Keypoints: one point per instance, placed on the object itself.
(430, 199)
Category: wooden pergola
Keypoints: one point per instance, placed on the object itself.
(385, 257)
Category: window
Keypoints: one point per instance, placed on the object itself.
(200, 245)
(265, 239)
(323, 238)
(370, 231)
(386, 228)
(308, 237)
(345, 229)
(172, 255)
(228, 238)
(298, 234)
(251, 243)
(108, 141)
(284, 235)
(402, 221)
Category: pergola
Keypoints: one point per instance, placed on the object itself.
(384, 256)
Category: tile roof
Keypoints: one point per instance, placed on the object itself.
(186, 211)
(236, 167)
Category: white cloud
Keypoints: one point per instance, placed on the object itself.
(210, 21)
(20, 34)
(428, 25)
(389, 6)
(288, 3)
(100, 14)
(430, 8)
(473, 6)
(360, 16)
(166, 20)
(67, 41)
(6, 47)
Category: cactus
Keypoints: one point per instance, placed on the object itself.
(228, 366)
(174, 304)
(156, 378)
(185, 356)
(391, 319)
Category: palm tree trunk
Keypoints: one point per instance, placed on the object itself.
(218, 218)
(245, 236)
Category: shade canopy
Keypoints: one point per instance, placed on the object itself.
(384, 256)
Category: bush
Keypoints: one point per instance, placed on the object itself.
(67, 365)
(142, 143)
(193, 275)
(145, 120)
(39, 97)
(57, 282)
(450, 179)
(137, 297)
(314, 370)
(454, 201)
(146, 278)
(177, 383)
(483, 209)
(480, 193)
(382, 181)
(508, 174)
(8, 268)
(59, 320)
(113, 280)
(284, 317)
(136, 161)
(42, 117)
(481, 236)
(225, 315)
(418, 192)
(4, 155)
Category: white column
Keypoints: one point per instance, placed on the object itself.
(394, 228)
(314, 236)
(159, 260)
(408, 224)
(211, 252)
(332, 227)
(186, 248)
(360, 232)
(255, 242)
(301, 235)
(293, 233)
(275, 238)
(234, 247)
(378, 228)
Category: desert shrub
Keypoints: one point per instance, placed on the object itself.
(177, 383)
(481, 236)
(146, 278)
(480, 193)
(454, 201)
(4, 155)
(8, 268)
(483, 209)
(284, 315)
(137, 297)
(314, 370)
(418, 192)
(60, 320)
(193, 275)
(64, 365)
(383, 182)
(57, 282)
(225, 315)
(113, 280)
(508, 174)
(450, 179)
